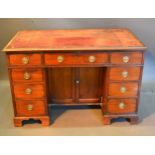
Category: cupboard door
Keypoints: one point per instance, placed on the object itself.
(90, 84)
(61, 85)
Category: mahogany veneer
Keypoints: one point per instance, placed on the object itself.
(33, 59)
(75, 67)
(116, 73)
(34, 75)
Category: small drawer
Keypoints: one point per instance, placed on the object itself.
(127, 58)
(121, 106)
(25, 59)
(129, 89)
(29, 91)
(27, 75)
(125, 73)
(75, 59)
(30, 108)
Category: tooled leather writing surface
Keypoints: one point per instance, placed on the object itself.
(81, 39)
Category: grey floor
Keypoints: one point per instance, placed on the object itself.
(85, 121)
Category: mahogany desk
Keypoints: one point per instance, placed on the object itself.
(75, 67)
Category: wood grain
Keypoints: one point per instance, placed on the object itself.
(38, 108)
(36, 75)
(61, 85)
(75, 59)
(131, 89)
(113, 106)
(134, 58)
(16, 59)
(133, 73)
(37, 91)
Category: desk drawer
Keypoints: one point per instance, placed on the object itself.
(25, 59)
(29, 91)
(69, 59)
(127, 58)
(121, 106)
(129, 89)
(125, 73)
(27, 75)
(30, 108)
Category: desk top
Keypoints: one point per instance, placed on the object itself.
(76, 39)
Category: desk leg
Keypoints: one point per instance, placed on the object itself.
(106, 120)
(18, 121)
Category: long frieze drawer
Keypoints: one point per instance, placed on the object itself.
(129, 89)
(121, 106)
(127, 58)
(30, 108)
(27, 75)
(25, 59)
(29, 91)
(125, 73)
(73, 59)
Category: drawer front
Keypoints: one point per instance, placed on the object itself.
(99, 58)
(125, 73)
(25, 59)
(27, 75)
(127, 58)
(30, 108)
(121, 106)
(29, 91)
(69, 59)
(129, 89)
(59, 59)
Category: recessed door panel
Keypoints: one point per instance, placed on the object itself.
(75, 85)
(90, 83)
(61, 85)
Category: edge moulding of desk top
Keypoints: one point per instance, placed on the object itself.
(75, 39)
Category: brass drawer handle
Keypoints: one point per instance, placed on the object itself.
(28, 91)
(25, 60)
(91, 58)
(30, 107)
(60, 58)
(121, 105)
(125, 59)
(125, 74)
(123, 89)
(26, 76)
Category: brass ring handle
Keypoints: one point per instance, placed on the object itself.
(91, 58)
(26, 76)
(30, 107)
(125, 74)
(28, 91)
(60, 58)
(123, 89)
(121, 105)
(25, 60)
(125, 59)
